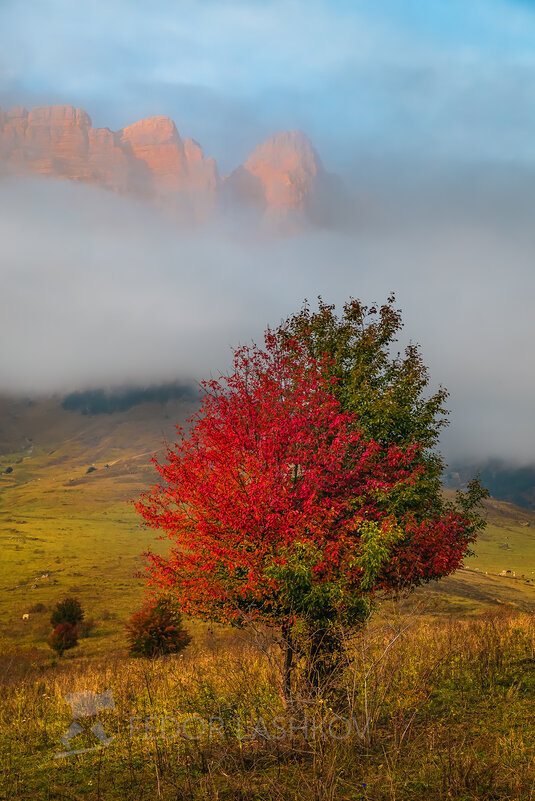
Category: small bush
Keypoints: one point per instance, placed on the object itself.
(156, 629)
(67, 611)
(91, 469)
(39, 607)
(63, 637)
(8, 470)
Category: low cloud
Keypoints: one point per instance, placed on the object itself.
(98, 290)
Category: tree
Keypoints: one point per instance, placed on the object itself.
(157, 629)
(284, 510)
(385, 392)
(67, 611)
(63, 637)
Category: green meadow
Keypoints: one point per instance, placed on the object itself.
(443, 686)
(64, 530)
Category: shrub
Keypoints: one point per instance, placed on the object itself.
(67, 611)
(63, 637)
(38, 607)
(156, 629)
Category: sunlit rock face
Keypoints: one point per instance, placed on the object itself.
(156, 144)
(51, 140)
(287, 167)
(285, 181)
(281, 180)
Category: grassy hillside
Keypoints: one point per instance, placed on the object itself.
(64, 530)
(439, 691)
(507, 544)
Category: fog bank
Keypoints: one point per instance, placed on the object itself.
(99, 290)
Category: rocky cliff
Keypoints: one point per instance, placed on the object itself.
(149, 159)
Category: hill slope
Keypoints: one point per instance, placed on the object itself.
(66, 524)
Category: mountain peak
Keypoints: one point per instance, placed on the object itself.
(149, 158)
(287, 166)
(152, 131)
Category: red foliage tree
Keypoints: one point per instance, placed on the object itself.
(64, 636)
(280, 510)
(156, 629)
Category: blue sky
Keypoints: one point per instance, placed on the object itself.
(441, 78)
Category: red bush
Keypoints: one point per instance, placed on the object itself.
(63, 637)
(156, 629)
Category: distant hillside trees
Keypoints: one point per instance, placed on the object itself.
(506, 482)
(100, 401)
(307, 485)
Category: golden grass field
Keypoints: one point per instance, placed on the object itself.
(446, 683)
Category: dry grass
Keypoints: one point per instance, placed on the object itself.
(446, 708)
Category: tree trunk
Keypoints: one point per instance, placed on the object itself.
(288, 663)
